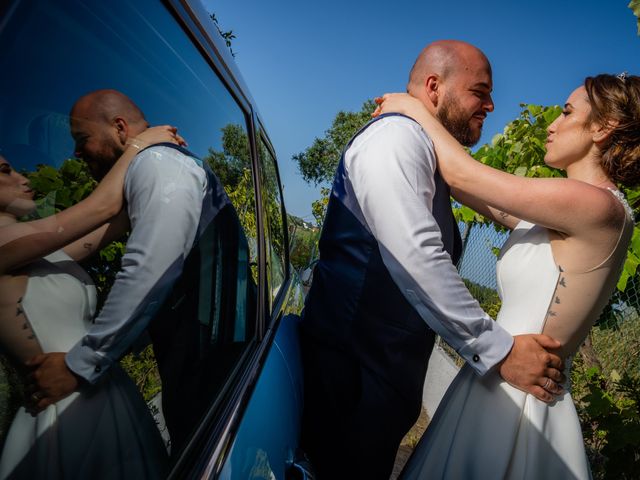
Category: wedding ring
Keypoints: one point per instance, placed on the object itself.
(546, 384)
(36, 397)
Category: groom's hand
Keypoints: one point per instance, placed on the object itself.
(51, 381)
(532, 367)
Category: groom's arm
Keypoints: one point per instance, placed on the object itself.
(391, 167)
(164, 190)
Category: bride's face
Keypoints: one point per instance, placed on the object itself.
(569, 137)
(16, 196)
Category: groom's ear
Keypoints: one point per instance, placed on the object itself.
(432, 85)
(122, 128)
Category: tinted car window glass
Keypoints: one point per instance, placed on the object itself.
(272, 200)
(54, 52)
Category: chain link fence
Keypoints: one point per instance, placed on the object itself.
(616, 336)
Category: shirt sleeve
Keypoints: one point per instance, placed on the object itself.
(164, 190)
(391, 168)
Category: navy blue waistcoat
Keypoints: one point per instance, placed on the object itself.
(355, 306)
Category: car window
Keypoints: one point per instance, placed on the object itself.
(55, 52)
(275, 224)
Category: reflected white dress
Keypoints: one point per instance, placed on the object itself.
(486, 429)
(102, 431)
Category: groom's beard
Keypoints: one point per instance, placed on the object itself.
(456, 122)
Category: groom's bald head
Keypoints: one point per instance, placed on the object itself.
(453, 80)
(445, 58)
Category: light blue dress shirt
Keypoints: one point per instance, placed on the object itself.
(391, 166)
(164, 190)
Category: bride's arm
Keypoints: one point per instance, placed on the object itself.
(565, 205)
(24, 242)
(93, 242)
(494, 214)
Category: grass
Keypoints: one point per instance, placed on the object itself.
(409, 442)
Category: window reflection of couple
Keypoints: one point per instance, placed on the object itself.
(84, 416)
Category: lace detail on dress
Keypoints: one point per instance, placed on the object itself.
(620, 196)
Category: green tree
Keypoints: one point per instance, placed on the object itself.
(634, 5)
(318, 163)
(230, 163)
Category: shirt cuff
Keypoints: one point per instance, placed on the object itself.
(86, 363)
(487, 350)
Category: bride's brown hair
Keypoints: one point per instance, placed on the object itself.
(616, 99)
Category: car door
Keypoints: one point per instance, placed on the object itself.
(167, 57)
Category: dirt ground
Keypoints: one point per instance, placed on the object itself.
(408, 442)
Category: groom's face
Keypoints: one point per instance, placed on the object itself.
(96, 145)
(466, 102)
(96, 139)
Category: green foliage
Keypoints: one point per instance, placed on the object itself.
(319, 207)
(318, 163)
(11, 394)
(489, 302)
(618, 342)
(143, 369)
(519, 149)
(304, 246)
(272, 202)
(609, 411)
(487, 297)
(57, 189)
(464, 214)
(632, 261)
(634, 5)
(232, 166)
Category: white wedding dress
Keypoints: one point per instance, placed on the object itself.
(486, 429)
(103, 431)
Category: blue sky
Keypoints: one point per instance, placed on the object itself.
(305, 61)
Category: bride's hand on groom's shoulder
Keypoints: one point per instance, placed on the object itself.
(398, 103)
(532, 367)
(50, 381)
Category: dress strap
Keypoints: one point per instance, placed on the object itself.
(621, 198)
(628, 222)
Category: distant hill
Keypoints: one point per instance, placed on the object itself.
(297, 221)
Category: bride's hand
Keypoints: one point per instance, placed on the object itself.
(159, 134)
(398, 103)
(108, 196)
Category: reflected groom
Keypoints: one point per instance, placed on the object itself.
(385, 284)
(171, 197)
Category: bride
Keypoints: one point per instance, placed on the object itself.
(47, 301)
(555, 275)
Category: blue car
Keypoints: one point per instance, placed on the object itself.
(242, 294)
